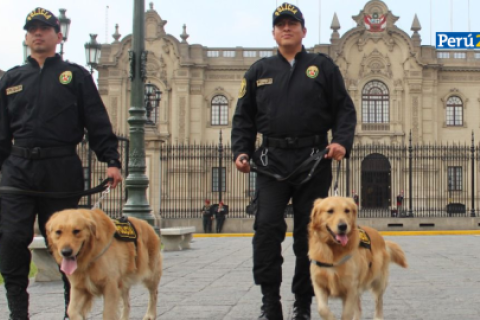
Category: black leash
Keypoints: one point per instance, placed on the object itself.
(56, 195)
(317, 157)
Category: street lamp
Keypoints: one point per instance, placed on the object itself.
(137, 182)
(26, 52)
(64, 27)
(152, 99)
(92, 52)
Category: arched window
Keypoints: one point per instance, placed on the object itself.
(375, 103)
(219, 111)
(454, 111)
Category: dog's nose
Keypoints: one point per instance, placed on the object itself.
(67, 252)
(342, 227)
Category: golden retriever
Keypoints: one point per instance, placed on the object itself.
(340, 266)
(97, 264)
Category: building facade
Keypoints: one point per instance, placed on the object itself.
(401, 89)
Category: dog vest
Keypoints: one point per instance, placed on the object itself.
(365, 241)
(125, 230)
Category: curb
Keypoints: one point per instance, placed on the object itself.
(384, 233)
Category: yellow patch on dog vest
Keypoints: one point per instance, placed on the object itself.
(364, 239)
(125, 230)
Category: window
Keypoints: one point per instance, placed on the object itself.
(443, 55)
(477, 55)
(454, 178)
(249, 54)
(454, 111)
(215, 179)
(459, 55)
(152, 99)
(212, 54)
(229, 54)
(375, 103)
(264, 54)
(219, 111)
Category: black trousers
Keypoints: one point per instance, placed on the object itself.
(17, 212)
(220, 222)
(207, 223)
(270, 227)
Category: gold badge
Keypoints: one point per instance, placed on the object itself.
(262, 82)
(312, 72)
(14, 89)
(66, 77)
(243, 89)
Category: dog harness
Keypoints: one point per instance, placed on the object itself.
(125, 230)
(365, 242)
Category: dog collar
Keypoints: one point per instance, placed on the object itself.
(331, 265)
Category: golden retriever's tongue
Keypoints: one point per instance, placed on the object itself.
(69, 265)
(343, 239)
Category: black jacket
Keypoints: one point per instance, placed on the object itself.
(51, 106)
(278, 100)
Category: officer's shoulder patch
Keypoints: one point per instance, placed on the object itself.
(243, 89)
(125, 230)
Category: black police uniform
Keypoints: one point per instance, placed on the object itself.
(44, 111)
(293, 107)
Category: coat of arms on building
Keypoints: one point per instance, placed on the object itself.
(375, 22)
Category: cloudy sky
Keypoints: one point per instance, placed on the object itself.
(223, 23)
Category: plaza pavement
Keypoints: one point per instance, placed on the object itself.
(213, 281)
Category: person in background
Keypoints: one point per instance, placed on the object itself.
(293, 100)
(207, 217)
(45, 107)
(220, 214)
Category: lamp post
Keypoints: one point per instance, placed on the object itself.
(92, 52)
(137, 182)
(152, 99)
(64, 28)
(26, 52)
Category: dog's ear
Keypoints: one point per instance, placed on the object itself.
(93, 227)
(315, 208)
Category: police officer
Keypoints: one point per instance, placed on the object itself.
(207, 217)
(45, 105)
(293, 99)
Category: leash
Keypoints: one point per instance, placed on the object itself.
(57, 195)
(317, 157)
(335, 185)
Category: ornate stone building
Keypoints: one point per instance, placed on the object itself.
(398, 86)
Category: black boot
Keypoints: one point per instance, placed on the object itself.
(18, 305)
(272, 307)
(301, 307)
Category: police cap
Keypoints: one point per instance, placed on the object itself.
(44, 16)
(288, 10)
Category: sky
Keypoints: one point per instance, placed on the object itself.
(223, 23)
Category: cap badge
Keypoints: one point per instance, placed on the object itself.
(312, 72)
(286, 7)
(243, 88)
(39, 11)
(66, 77)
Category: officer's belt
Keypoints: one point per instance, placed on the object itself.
(293, 142)
(38, 153)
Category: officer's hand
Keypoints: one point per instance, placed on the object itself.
(242, 163)
(335, 151)
(114, 173)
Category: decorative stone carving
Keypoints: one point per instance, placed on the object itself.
(375, 64)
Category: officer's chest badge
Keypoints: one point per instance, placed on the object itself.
(66, 77)
(14, 89)
(243, 88)
(312, 72)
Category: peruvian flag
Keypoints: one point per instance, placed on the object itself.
(375, 23)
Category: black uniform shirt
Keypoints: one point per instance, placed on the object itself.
(51, 106)
(280, 100)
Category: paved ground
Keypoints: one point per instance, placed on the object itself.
(213, 281)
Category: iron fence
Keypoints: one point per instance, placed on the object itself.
(423, 180)
(94, 172)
